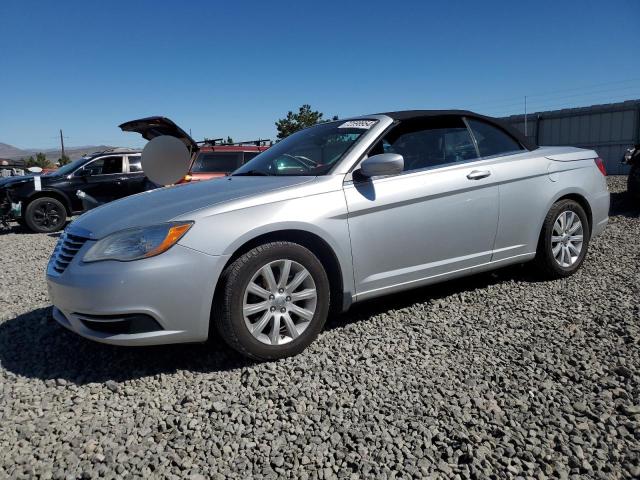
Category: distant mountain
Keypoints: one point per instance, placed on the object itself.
(52, 154)
(9, 151)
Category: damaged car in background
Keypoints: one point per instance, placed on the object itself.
(42, 203)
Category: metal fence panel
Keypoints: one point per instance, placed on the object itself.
(609, 129)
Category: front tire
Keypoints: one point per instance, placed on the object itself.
(564, 240)
(45, 215)
(273, 301)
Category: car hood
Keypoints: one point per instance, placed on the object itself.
(165, 204)
(152, 127)
(8, 181)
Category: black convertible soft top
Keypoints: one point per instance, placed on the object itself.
(403, 115)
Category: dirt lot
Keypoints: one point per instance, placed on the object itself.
(500, 374)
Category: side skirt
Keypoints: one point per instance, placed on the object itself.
(521, 258)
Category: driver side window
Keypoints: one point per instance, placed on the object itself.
(429, 143)
(103, 166)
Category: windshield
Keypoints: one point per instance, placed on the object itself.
(69, 167)
(312, 151)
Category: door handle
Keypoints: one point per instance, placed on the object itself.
(478, 174)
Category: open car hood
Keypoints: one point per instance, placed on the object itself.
(152, 127)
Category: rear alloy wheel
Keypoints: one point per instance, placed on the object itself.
(274, 301)
(567, 238)
(564, 240)
(45, 215)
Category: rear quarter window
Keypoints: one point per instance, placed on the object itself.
(135, 164)
(492, 140)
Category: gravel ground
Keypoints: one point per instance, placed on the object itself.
(498, 375)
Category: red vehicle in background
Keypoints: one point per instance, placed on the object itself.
(210, 158)
(217, 159)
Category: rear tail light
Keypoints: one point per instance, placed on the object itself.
(600, 165)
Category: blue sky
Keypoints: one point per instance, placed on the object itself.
(233, 68)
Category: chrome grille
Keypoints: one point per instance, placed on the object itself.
(66, 248)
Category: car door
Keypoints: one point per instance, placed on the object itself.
(104, 178)
(438, 217)
(524, 186)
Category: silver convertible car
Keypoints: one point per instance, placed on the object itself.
(338, 213)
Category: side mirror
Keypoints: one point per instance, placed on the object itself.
(83, 172)
(382, 164)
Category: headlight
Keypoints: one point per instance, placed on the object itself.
(137, 243)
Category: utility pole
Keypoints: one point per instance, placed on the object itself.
(526, 134)
(61, 144)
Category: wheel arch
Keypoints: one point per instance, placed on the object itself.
(51, 194)
(340, 300)
(582, 201)
(567, 194)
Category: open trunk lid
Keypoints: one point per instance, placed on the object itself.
(567, 154)
(152, 127)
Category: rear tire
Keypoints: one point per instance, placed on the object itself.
(45, 215)
(564, 240)
(267, 316)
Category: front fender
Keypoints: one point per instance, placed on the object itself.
(324, 216)
(49, 192)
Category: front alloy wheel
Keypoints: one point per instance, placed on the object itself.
(272, 301)
(45, 215)
(279, 302)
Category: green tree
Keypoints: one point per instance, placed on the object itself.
(294, 122)
(229, 140)
(63, 160)
(40, 161)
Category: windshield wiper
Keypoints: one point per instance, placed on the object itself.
(251, 173)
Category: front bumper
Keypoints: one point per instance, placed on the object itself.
(174, 291)
(9, 209)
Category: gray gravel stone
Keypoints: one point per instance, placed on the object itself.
(498, 375)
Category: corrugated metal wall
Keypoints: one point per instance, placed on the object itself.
(608, 129)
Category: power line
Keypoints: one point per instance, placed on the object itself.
(585, 87)
(599, 99)
(508, 101)
(540, 101)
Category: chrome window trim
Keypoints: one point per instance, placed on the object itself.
(99, 158)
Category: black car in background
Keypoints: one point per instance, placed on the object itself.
(43, 203)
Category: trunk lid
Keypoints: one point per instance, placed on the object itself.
(152, 127)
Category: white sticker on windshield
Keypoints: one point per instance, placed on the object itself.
(37, 183)
(365, 124)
